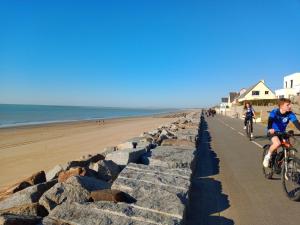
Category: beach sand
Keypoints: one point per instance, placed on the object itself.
(26, 150)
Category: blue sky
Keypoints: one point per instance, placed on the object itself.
(142, 53)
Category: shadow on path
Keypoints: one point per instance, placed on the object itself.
(206, 198)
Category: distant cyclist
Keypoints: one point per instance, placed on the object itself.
(277, 122)
(249, 114)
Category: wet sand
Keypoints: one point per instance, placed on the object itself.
(26, 150)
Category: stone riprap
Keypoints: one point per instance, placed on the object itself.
(11, 219)
(156, 189)
(189, 134)
(75, 189)
(53, 173)
(170, 156)
(154, 193)
(123, 157)
(107, 213)
(33, 209)
(107, 170)
(29, 195)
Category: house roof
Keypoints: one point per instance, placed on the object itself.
(250, 89)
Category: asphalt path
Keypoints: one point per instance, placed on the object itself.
(228, 186)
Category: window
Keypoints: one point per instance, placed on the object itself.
(286, 84)
(255, 92)
(291, 83)
(266, 92)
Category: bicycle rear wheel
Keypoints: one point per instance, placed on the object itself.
(291, 178)
(267, 171)
(248, 130)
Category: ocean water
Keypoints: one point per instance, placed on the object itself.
(18, 115)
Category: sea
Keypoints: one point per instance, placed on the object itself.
(12, 115)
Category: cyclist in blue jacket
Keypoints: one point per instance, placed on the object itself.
(277, 122)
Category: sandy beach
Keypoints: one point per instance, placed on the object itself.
(25, 150)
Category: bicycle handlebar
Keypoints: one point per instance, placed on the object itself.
(284, 134)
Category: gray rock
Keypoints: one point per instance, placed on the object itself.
(154, 132)
(137, 142)
(171, 157)
(167, 133)
(108, 150)
(144, 140)
(33, 209)
(178, 142)
(107, 213)
(173, 128)
(161, 138)
(166, 192)
(187, 134)
(85, 163)
(125, 145)
(155, 177)
(181, 172)
(53, 174)
(106, 170)
(11, 219)
(123, 157)
(27, 196)
(75, 189)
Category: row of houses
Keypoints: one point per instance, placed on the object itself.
(260, 94)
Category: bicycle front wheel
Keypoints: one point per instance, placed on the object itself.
(291, 178)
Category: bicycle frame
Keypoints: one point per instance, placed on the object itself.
(249, 128)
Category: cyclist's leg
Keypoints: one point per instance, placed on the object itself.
(245, 123)
(251, 124)
(275, 144)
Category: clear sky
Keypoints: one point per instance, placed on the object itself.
(141, 53)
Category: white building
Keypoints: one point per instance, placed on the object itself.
(291, 86)
(224, 106)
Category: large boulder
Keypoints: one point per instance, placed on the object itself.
(173, 127)
(178, 142)
(170, 156)
(36, 178)
(65, 175)
(187, 134)
(154, 132)
(106, 170)
(177, 172)
(27, 196)
(75, 189)
(11, 219)
(33, 209)
(123, 157)
(107, 213)
(137, 142)
(108, 150)
(53, 173)
(155, 188)
(86, 162)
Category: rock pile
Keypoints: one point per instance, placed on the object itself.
(144, 180)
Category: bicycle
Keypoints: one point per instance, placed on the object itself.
(249, 128)
(284, 162)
